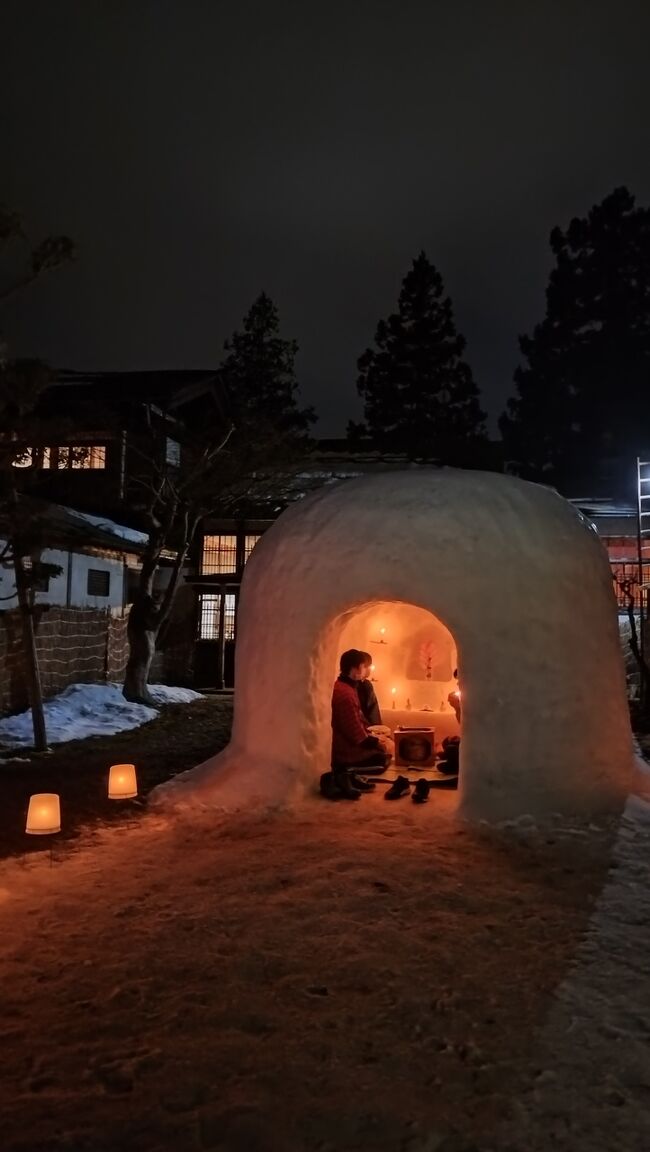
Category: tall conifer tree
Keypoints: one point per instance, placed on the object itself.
(582, 407)
(418, 392)
(259, 373)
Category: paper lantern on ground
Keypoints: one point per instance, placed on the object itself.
(43, 814)
(122, 783)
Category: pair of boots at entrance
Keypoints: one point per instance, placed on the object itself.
(359, 740)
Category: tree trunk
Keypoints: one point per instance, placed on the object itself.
(142, 630)
(142, 644)
(147, 616)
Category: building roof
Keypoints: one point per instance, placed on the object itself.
(147, 385)
(60, 525)
(603, 506)
(72, 392)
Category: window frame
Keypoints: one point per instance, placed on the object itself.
(105, 573)
(209, 622)
(248, 548)
(221, 554)
(61, 458)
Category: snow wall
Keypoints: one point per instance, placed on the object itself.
(519, 579)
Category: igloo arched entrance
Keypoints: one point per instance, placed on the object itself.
(414, 659)
(512, 572)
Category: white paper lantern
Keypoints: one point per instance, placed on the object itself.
(43, 814)
(122, 783)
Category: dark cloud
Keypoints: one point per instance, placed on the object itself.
(199, 151)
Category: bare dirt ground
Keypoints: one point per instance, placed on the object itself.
(182, 736)
(352, 976)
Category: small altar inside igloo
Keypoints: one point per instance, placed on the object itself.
(499, 577)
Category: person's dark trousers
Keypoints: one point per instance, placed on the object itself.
(376, 763)
(345, 784)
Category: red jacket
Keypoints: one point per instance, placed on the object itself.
(350, 734)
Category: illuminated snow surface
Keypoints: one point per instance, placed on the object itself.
(343, 977)
(83, 710)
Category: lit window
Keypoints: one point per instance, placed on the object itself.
(229, 611)
(66, 456)
(219, 555)
(249, 544)
(25, 459)
(209, 618)
(210, 613)
(84, 456)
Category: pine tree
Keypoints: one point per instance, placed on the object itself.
(583, 393)
(259, 374)
(419, 395)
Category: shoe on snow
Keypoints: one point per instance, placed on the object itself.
(421, 792)
(399, 788)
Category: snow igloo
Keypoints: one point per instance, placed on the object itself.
(430, 570)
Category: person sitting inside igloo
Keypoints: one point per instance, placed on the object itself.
(353, 744)
(370, 704)
(454, 697)
(368, 697)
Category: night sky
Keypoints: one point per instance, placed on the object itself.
(200, 151)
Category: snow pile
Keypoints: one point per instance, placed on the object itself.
(84, 710)
(110, 526)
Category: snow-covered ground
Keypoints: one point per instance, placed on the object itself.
(369, 977)
(593, 1086)
(84, 710)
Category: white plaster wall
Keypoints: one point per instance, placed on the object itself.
(56, 593)
(517, 577)
(74, 576)
(79, 597)
(57, 588)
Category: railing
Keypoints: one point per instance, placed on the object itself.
(625, 575)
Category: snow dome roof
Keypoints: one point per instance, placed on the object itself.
(517, 576)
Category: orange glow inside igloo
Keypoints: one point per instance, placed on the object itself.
(414, 657)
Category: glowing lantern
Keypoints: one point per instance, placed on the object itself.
(43, 814)
(122, 783)
(393, 693)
